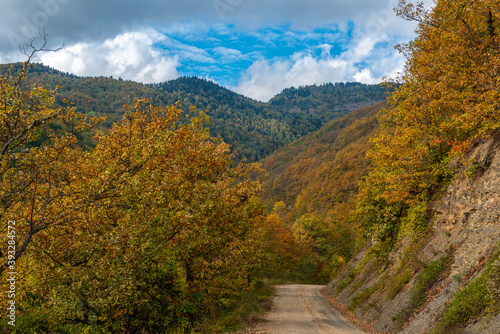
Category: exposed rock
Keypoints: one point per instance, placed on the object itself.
(467, 218)
(485, 326)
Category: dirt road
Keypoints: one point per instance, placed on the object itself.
(300, 309)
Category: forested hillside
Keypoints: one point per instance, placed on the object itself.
(323, 101)
(324, 167)
(429, 205)
(253, 129)
(315, 180)
(152, 230)
(152, 226)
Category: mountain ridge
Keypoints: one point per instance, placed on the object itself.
(254, 129)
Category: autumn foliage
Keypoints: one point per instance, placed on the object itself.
(448, 96)
(155, 229)
(316, 181)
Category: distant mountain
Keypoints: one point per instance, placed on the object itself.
(321, 171)
(317, 180)
(325, 100)
(254, 129)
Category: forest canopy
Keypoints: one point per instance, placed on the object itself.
(154, 228)
(448, 95)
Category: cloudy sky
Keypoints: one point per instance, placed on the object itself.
(254, 47)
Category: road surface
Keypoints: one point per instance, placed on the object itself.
(300, 309)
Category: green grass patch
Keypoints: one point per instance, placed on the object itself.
(351, 275)
(424, 282)
(428, 276)
(398, 283)
(346, 281)
(355, 287)
(468, 304)
(404, 272)
(480, 297)
(365, 294)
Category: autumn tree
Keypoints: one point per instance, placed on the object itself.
(155, 229)
(33, 178)
(449, 95)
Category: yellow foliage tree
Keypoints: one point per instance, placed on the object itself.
(448, 96)
(154, 229)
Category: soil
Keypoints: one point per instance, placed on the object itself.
(300, 309)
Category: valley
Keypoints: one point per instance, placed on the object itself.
(184, 207)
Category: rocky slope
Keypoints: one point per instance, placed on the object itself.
(443, 281)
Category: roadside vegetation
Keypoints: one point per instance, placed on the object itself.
(445, 98)
(478, 298)
(154, 229)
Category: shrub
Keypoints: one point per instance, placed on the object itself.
(467, 304)
(398, 283)
(479, 297)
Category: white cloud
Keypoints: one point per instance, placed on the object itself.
(186, 51)
(72, 21)
(264, 78)
(105, 44)
(228, 54)
(364, 76)
(131, 56)
(366, 60)
(363, 49)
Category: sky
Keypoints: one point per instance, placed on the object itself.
(254, 47)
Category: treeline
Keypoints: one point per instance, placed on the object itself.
(253, 129)
(315, 180)
(328, 95)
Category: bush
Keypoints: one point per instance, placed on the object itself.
(479, 297)
(398, 283)
(467, 304)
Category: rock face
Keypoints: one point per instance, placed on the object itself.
(467, 218)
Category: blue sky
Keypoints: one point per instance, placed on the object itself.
(256, 48)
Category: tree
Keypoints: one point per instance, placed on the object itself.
(33, 180)
(153, 229)
(161, 213)
(449, 95)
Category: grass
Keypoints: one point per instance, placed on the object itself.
(481, 296)
(365, 294)
(362, 297)
(398, 283)
(344, 283)
(429, 275)
(425, 280)
(405, 270)
(468, 304)
(349, 278)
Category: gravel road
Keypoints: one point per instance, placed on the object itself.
(300, 309)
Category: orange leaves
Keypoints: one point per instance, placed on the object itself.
(156, 214)
(283, 249)
(459, 147)
(162, 191)
(448, 96)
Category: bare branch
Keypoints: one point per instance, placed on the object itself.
(30, 50)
